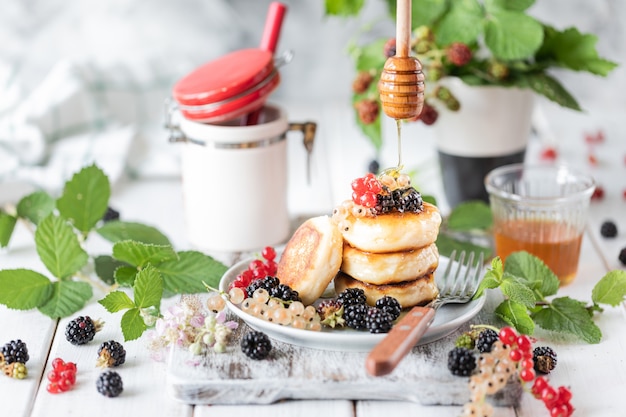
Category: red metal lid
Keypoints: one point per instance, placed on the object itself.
(227, 87)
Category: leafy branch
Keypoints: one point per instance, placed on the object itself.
(142, 260)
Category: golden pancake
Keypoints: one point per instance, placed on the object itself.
(389, 268)
(311, 258)
(393, 231)
(419, 291)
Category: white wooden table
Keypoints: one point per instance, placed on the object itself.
(596, 374)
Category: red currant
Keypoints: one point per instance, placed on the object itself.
(527, 363)
(548, 154)
(69, 376)
(549, 396)
(268, 253)
(53, 376)
(538, 386)
(64, 385)
(507, 335)
(58, 363)
(372, 183)
(559, 411)
(368, 199)
(271, 268)
(565, 395)
(53, 388)
(598, 193)
(524, 343)
(593, 160)
(527, 375)
(359, 185)
(516, 355)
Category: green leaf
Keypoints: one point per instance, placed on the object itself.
(470, 215)
(517, 291)
(516, 315)
(85, 198)
(23, 289)
(116, 301)
(516, 5)
(35, 206)
(464, 23)
(7, 225)
(116, 231)
(132, 324)
(447, 244)
(424, 12)
(492, 278)
(140, 254)
(534, 272)
(574, 50)
(566, 315)
(148, 288)
(187, 273)
(370, 57)
(105, 267)
(59, 247)
(513, 35)
(611, 289)
(550, 88)
(125, 276)
(343, 7)
(67, 298)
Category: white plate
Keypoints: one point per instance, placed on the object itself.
(448, 318)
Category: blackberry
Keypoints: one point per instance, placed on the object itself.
(461, 361)
(608, 229)
(14, 351)
(622, 256)
(110, 384)
(378, 321)
(285, 293)
(266, 283)
(110, 215)
(81, 330)
(544, 358)
(256, 345)
(331, 313)
(351, 296)
(390, 306)
(486, 339)
(111, 354)
(373, 167)
(410, 200)
(355, 316)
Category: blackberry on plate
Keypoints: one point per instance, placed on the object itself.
(461, 361)
(110, 384)
(351, 296)
(378, 321)
(486, 339)
(14, 351)
(390, 306)
(256, 345)
(266, 283)
(111, 354)
(544, 358)
(355, 316)
(82, 330)
(285, 293)
(608, 229)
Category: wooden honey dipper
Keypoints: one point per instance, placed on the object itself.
(401, 84)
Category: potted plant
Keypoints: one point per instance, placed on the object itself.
(470, 47)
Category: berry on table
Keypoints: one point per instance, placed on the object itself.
(256, 345)
(622, 256)
(486, 339)
(111, 354)
(461, 361)
(82, 330)
(598, 193)
(15, 370)
(62, 377)
(14, 351)
(544, 358)
(110, 384)
(548, 154)
(608, 229)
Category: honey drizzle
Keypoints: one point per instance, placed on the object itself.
(399, 129)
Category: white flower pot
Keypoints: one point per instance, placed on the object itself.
(491, 129)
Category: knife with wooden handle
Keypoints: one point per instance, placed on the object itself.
(387, 354)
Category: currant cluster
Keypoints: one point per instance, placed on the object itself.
(557, 400)
(365, 190)
(62, 377)
(258, 268)
(13, 358)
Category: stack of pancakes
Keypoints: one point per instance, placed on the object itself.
(391, 254)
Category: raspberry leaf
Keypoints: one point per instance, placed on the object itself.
(36, 206)
(512, 35)
(125, 276)
(116, 231)
(148, 288)
(67, 298)
(85, 198)
(132, 324)
(116, 301)
(550, 88)
(186, 275)
(59, 248)
(106, 266)
(140, 254)
(464, 23)
(516, 315)
(7, 225)
(23, 289)
(567, 315)
(611, 289)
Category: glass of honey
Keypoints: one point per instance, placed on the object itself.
(541, 209)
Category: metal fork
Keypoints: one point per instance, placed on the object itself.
(457, 284)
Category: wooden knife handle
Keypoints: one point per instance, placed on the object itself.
(387, 354)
